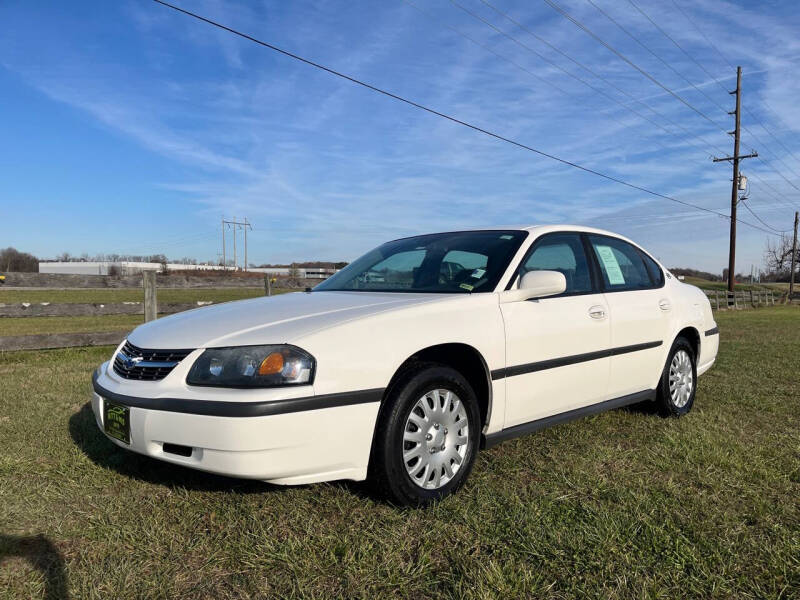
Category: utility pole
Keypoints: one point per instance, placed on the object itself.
(246, 225)
(735, 185)
(235, 263)
(234, 224)
(224, 265)
(794, 258)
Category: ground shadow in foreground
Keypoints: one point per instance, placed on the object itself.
(42, 554)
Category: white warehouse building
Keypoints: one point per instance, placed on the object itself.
(132, 268)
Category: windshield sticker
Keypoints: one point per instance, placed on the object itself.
(506, 237)
(478, 273)
(466, 286)
(611, 265)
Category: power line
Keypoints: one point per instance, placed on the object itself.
(544, 58)
(725, 59)
(488, 49)
(619, 54)
(643, 13)
(788, 168)
(690, 137)
(773, 193)
(661, 60)
(744, 203)
(778, 117)
(681, 48)
(446, 116)
(779, 173)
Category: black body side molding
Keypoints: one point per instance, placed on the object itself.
(487, 441)
(563, 361)
(221, 408)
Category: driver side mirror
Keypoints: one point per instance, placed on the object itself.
(536, 284)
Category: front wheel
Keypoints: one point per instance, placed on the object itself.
(427, 436)
(678, 385)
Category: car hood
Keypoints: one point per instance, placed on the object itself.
(267, 320)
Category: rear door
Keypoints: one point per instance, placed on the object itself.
(640, 312)
(557, 347)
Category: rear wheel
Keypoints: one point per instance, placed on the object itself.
(427, 436)
(678, 383)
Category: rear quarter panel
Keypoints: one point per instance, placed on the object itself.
(692, 309)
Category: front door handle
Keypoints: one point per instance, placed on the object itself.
(597, 312)
(664, 304)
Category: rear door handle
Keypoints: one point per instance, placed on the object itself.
(597, 312)
(664, 304)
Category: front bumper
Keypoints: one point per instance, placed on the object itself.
(285, 441)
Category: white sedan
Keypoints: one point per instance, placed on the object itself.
(402, 365)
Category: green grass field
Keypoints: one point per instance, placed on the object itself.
(111, 295)
(90, 324)
(620, 505)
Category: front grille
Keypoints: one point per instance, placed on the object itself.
(146, 365)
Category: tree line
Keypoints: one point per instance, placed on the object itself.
(12, 259)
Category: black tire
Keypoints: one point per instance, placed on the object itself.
(668, 407)
(387, 471)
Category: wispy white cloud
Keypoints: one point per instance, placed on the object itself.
(325, 169)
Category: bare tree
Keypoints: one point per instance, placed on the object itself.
(778, 257)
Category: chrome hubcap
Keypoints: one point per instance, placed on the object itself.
(681, 378)
(435, 439)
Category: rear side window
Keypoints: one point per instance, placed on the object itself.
(621, 264)
(562, 252)
(656, 275)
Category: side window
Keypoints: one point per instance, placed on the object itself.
(621, 264)
(562, 252)
(656, 275)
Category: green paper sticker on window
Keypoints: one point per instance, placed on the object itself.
(610, 265)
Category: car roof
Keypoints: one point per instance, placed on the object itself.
(541, 229)
(538, 229)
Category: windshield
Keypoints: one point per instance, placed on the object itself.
(461, 262)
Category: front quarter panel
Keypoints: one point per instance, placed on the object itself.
(365, 353)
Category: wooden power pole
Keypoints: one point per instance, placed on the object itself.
(735, 185)
(794, 258)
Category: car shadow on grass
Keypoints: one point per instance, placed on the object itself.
(43, 556)
(85, 434)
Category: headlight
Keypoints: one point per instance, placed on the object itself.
(252, 366)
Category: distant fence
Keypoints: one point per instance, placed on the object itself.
(63, 280)
(725, 300)
(148, 308)
(48, 309)
(43, 341)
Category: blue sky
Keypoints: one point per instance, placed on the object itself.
(130, 128)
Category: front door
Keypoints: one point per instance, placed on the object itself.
(557, 347)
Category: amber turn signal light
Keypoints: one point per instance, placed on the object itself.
(271, 365)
